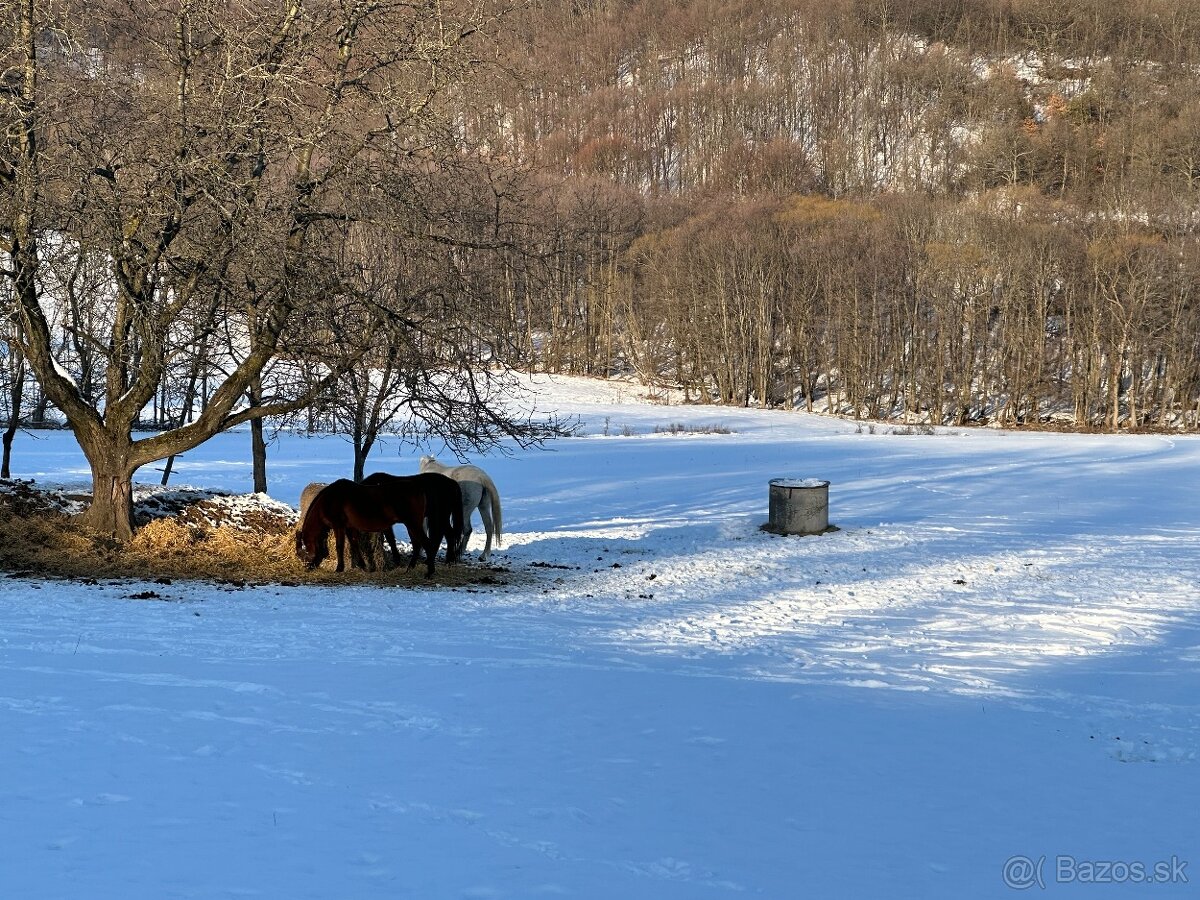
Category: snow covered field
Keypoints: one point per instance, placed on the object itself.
(997, 656)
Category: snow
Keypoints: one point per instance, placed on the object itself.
(996, 655)
(799, 483)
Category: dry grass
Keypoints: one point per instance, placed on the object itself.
(40, 540)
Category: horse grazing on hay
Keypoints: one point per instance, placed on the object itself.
(443, 511)
(370, 544)
(350, 510)
(478, 492)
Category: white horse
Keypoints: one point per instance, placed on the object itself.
(478, 492)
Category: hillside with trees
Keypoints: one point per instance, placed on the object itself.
(938, 211)
(944, 211)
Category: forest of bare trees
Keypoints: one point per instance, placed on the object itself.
(937, 211)
(944, 211)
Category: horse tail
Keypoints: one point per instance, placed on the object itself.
(494, 496)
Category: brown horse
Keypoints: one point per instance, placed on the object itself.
(443, 510)
(349, 510)
(370, 543)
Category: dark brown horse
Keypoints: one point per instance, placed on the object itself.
(349, 510)
(443, 509)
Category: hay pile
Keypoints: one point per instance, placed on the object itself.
(182, 535)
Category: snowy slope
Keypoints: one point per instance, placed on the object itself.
(996, 655)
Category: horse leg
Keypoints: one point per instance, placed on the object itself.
(435, 541)
(467, 530)
(453, 536)
(358, 559)
(390, 536)
(459, 546)
(416, 537)
(437, 531)
(418, 551)
(340, 539)
(485, 513)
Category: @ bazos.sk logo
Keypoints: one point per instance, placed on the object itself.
(1024, 872)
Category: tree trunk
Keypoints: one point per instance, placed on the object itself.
(363, 434)
(258, 450)
(111, 511)
(14, 416)
(360, 462)
(258, 443)
(39, 410)
(1114, 391)
(363, 442)
(9, 433)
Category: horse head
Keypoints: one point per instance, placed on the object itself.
(301, 554)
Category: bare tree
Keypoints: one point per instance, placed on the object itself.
(14, 375)
(210, 150)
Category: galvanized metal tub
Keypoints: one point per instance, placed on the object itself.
(798, 505)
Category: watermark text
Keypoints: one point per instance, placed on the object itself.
(1024, 872)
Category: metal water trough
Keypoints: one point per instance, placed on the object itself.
(798, 506)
